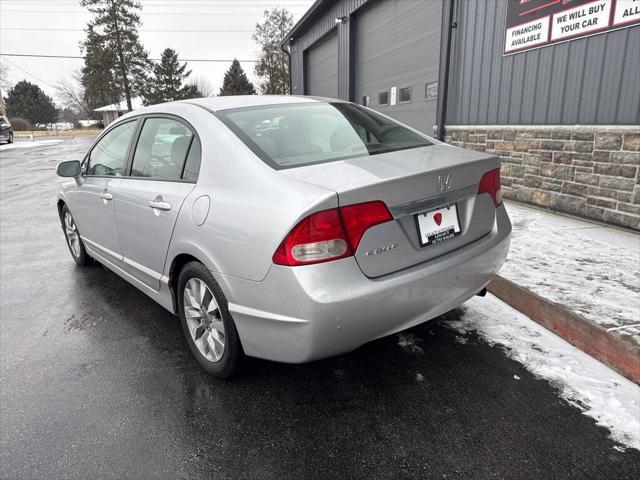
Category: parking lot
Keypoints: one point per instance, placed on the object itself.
(98, 382)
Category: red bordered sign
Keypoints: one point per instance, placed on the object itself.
(537, 23)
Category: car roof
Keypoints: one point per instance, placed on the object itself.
(239, 101)
(216, 104)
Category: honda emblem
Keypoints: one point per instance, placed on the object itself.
(444, 182)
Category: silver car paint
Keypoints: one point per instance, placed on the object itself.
(144, 231)
(287, 314)
(406, 182)
(91, 201)
(334, 316)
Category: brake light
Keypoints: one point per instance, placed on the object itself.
(317, 238)
(329, 234)
(490, 183)
(358, 218)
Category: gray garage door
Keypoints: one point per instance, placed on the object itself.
(398, 45)
(321, 68)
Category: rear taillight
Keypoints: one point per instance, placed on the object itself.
(330, 234)
(490, 183)
(317, 238)
(358, 218)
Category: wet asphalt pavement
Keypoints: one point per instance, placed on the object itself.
(97, 382)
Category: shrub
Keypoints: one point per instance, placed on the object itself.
(20, 124)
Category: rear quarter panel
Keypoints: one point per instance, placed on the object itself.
(251, 206)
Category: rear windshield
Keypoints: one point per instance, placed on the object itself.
(294, 135)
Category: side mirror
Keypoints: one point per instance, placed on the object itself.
(70, 168)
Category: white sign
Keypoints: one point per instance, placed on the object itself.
(527, 35)
(393, 95)
(627, 11)
(581, 20)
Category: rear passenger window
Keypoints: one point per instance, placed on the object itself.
(192, 166)
(162, 149)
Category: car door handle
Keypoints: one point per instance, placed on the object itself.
(106, 196)
(160, 205)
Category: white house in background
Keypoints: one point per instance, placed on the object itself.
(115, 110)
(87, 123)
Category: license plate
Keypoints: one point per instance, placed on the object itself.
(438, 225)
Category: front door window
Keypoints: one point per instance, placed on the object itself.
(109, 155)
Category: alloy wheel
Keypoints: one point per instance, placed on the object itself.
(204, 320)
(71, 231)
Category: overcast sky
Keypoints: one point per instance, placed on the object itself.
(223, 27)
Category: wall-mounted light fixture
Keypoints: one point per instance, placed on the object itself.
(341, 19)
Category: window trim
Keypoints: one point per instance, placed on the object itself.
(113, 126)
(410, 87)
(388, 99)
(170, 116)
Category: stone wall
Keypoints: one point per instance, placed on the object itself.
(589, 171)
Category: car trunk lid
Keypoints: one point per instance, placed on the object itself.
(410, 182)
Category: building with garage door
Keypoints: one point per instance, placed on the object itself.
(549, 86)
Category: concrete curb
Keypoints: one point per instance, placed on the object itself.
(617, 353)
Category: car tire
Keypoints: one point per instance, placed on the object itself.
(72, 236)
(10, 138)
(210, 324)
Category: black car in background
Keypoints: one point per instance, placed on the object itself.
(6, 132)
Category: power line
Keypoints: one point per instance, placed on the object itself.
(79, 57)
(162, 3)
(46, 29)
(29, 73)
(174, 4)
(169, 14)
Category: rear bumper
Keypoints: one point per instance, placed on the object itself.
(306, 313)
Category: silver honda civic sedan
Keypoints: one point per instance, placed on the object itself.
(285, 228)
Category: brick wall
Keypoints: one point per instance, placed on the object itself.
(590, 171)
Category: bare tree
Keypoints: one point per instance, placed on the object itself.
(203, 85)
(4, 83)
(4, 76)
(71, 94)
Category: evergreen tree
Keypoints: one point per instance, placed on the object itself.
(28, 101)
(98, 76)
(116, 63)
(168, 81)
(273, 65)
(236, 81)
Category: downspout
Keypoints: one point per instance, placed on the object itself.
(442, 120)
(286, 50)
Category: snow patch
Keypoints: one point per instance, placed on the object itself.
(27, 144)
(599, 392)
(590, 269)
(461, 340)
(407, 341)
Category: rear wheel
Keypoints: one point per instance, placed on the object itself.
(74, 242)
(206, 322)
